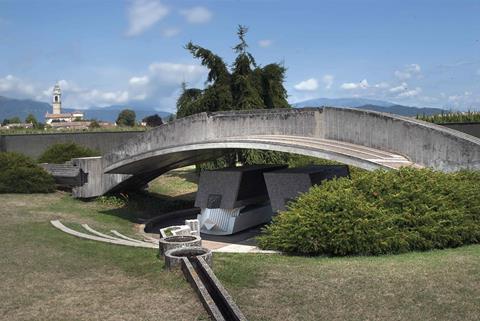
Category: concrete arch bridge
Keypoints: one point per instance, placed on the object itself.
(366, 139)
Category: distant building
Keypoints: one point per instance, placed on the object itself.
(18, 125)
(62, 120)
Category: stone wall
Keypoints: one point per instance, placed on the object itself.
(33, 145)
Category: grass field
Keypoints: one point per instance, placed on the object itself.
(49, 275)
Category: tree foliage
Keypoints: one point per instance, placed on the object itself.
(13, 120)
(94, 124)
(19, 174)
(153, 120)
(63, 152)
(126, 118)
(452, 117)
(243, 86)
(31, 119)
(381, 212)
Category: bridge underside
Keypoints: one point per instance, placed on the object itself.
(145, 167)
(177, 156)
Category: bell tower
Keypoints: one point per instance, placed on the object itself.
(57, 100)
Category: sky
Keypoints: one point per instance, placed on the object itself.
(112, 52)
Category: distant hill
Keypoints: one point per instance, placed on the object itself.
(404, 110)
(370, 104)
(342, 102)
(22, 107)
(10, 107)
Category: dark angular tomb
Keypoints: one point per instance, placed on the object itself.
(286, 184)
(66, 175)
(233, 187)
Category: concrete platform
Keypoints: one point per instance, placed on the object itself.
(242, 242)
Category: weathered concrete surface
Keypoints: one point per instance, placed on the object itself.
(423, 143)
(97, 183)
(361, 138)
(34, 145)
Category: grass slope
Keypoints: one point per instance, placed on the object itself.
(49, 275)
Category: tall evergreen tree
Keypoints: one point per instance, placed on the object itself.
(245, 86)
(245, 94)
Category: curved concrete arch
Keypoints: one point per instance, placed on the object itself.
(345, 153)
(362, 138)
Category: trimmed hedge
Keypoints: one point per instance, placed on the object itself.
(63, 152)
(20, 174)
(380, 212)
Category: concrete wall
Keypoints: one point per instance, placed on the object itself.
(34, 144)
(97, 183)
(467, 128)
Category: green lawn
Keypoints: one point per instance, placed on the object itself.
(49, 275)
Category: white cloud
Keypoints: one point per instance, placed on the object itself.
(174, 73)
(400, 88)
(197, 14)
(408, 72)
(15, 86)
(139, 81)
(328, 81)
(382, 85)
(109, 97)
(307, 85)
(170, 32)
(144, 14)
(352, 85)
(410, 93)
(265, 43)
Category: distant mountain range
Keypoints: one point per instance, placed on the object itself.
(342, 102)
(370, 104)
(10, 107)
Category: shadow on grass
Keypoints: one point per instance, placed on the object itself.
(141, 206)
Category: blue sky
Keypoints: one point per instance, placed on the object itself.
(104, 52)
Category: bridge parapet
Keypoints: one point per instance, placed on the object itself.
(425, 144)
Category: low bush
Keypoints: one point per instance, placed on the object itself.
(380, 212)
(63, 152)
(20, 174)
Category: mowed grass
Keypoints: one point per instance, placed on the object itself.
(436, 285)
(179, 183)
(49, 275)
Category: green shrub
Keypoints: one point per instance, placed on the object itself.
(381, 212)
(63, 152)
(19, 174)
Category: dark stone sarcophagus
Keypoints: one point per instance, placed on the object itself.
(286, 184)
(233, 199)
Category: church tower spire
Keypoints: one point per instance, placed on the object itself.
(57, 100)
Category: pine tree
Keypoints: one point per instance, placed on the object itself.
(245, 86)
